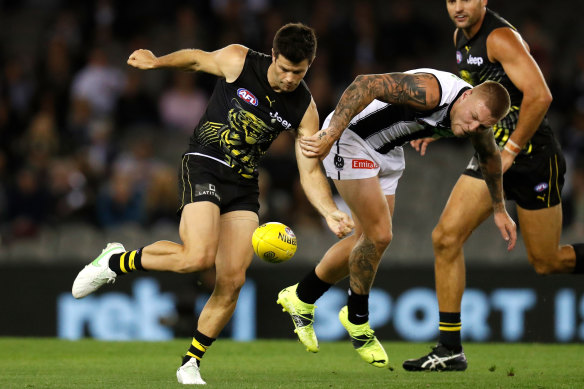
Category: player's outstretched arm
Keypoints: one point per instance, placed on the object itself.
(314, 182)
(419, 91)
(490, 164)
(226, 62)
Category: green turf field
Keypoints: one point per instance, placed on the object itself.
(51, 363)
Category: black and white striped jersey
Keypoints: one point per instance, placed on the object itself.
(387, 126)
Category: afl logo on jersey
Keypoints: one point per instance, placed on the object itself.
(458, 57)
(247, 96)
(541, 187)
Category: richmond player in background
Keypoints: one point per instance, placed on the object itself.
(490, 48)
(256, 97)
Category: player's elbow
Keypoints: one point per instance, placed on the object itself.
(542, 97)
(361, 79)
(192, 60)
(548, 98)
(545, 98)
(364, 83)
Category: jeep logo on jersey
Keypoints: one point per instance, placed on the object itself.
(277, 118)
(474, 60)
(247, 96)
(458, 57)
(364, 164)
(541, 187)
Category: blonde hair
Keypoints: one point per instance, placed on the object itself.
(496, 98)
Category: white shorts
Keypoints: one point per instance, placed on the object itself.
(351, 158)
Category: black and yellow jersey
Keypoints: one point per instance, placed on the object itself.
(244, 117)
(474, 67)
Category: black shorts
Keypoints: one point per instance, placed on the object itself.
(201, 178)
(534, 181)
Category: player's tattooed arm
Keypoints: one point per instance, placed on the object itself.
(420, 91)
(491, 167)
(490, 164)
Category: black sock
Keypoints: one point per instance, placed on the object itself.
(311, 288)
(450, 325)
(126, 262)
(198, 347)
(358, 306)
(579, 249)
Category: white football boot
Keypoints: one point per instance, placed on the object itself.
(189, 374)
(97, 273)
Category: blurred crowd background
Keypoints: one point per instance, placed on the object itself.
(89, 147)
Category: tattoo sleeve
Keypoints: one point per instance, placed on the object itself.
(490, 164)
(419, 91)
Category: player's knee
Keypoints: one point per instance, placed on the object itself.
(194, 261)
(443, 238)
(379, 240)
(544, 265)
(542, 268)
(383, 240)
(230, 286)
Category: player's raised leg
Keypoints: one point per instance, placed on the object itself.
(541, 230)
(199, 232)
(234, 256)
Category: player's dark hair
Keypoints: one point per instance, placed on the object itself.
(496, 98)
(296, 42)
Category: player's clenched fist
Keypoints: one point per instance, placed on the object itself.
(142, 59)
(340, 223)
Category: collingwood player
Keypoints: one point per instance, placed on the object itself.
(376, 115)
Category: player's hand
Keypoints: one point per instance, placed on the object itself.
(507, 160)
(507, 228)
(142, 59)
(340, 223)
(420, 145)
(317, 145)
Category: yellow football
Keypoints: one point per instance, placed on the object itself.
(274, 242)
